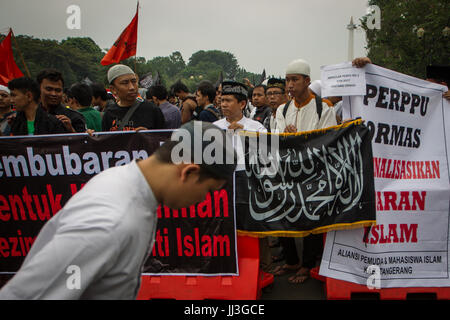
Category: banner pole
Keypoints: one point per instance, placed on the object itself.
(20, 53)
(137, 28)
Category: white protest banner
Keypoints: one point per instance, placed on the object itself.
(342, 80)
(409, 120)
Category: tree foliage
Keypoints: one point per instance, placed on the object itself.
(397, 46)
(78, 58)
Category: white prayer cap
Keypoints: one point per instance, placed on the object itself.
(3, 88)
(117, 71)
(316, 87)
(298, 66)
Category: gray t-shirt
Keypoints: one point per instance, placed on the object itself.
(106, 230)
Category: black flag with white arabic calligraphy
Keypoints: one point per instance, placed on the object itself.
(312, 182)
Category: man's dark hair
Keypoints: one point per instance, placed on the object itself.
(25, 84)
(217, 170)
(260, 86)
(50, 74)
(99, 91)
(164, 154)
(206, 88)
(82, 93)
(179, 86)
(158, 91)
(240, 97)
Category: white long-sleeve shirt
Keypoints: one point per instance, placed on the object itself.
(106, 230)
(305, 118)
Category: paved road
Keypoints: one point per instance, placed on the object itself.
(281, 289)
(311, 289)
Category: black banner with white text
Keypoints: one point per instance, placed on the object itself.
(310, 183)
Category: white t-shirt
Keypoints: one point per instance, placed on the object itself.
(106, 230)
(247, 123)
(306, 117)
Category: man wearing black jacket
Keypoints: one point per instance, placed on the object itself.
(51, 84)
(144, 115)
(31, 119)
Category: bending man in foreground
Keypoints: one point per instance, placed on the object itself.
(106, 231)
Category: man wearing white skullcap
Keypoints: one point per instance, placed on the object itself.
(304, 112)
(5, 110)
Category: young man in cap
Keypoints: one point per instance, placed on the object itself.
(304, 112)
(31, 119)
(276, 96)
(106, 230)
(129, 113)
(51, 84)
(233, 102)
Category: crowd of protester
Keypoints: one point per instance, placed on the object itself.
(290, 104)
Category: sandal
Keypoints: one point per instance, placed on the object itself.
(300, 276)
(284, 269)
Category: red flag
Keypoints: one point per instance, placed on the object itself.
(125, 45)
(8, 67)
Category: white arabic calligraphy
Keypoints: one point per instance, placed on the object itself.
(314, 181)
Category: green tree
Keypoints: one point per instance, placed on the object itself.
(86, 45)
(78, 58)
(397, 45)
(227, 61)
(177, 64)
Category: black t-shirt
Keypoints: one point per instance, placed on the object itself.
(146, 115)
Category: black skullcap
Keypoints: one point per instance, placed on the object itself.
(233, 87)
(276, 83)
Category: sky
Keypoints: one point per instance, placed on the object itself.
(262, 34)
